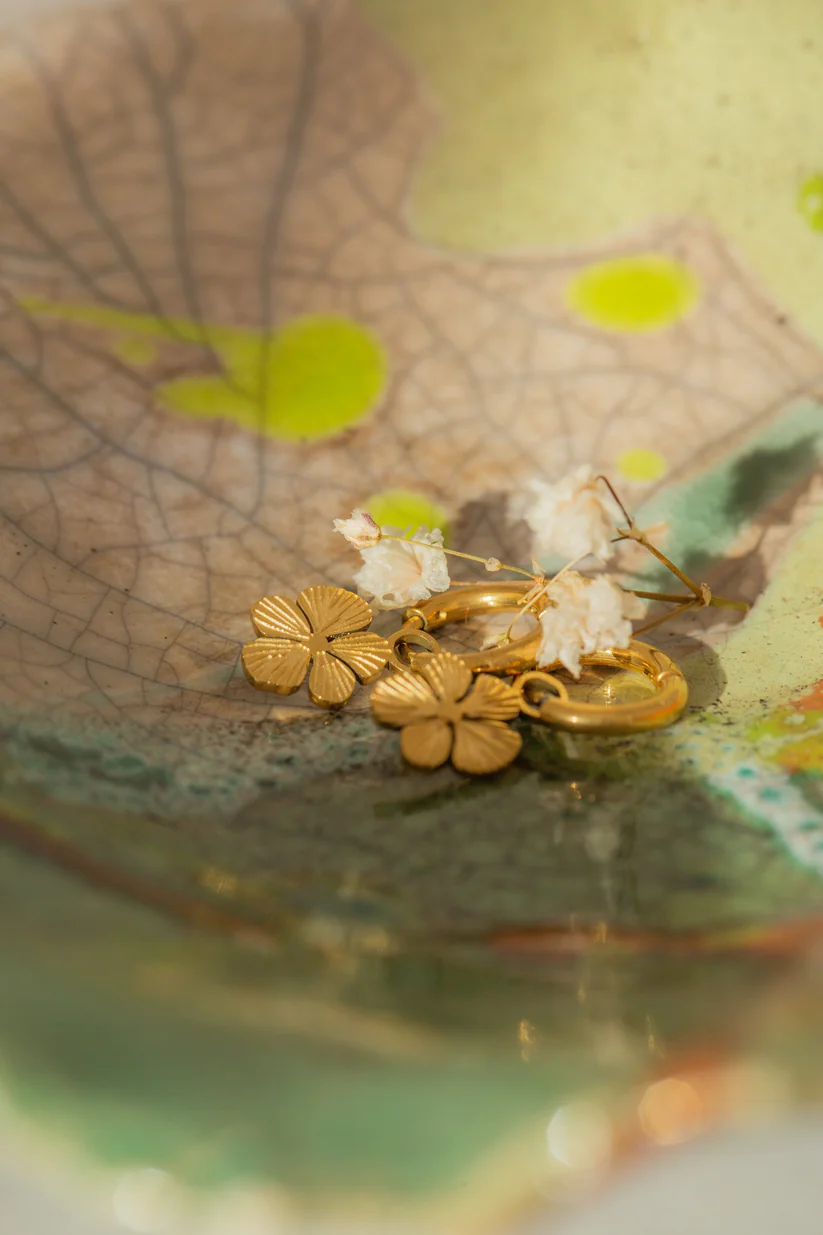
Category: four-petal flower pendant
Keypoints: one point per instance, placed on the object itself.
(441, 713)
(325, 627)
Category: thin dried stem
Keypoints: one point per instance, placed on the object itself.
(614, 494)
(699, 596)
(530, 601)
(469, 557)
(673, 613)
(641, 538)
(661, 557)
(675, 598)
(524, 608)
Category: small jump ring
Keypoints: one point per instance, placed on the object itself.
(412, 636)
(465, 600)
(662, 708)
(537, 677)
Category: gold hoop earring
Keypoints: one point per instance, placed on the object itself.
(325, 630)
(410, 637)
(465, 600)
(662, 707)
(446, 712)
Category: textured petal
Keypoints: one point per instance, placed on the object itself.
(402, 699)
(330, 682)
(482, 746)
(427, 744)
(365, 653)
(277, 615)
(275, 664)
(334, 611)
(448, 677)
(360, 530)
(397, 572)
(491, 699)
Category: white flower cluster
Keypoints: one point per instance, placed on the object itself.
(576, 518)
(361, 530)
(399, 568)
(573, 518)
(396, 573)
(584, 616)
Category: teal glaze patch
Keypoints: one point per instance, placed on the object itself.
(707, 511)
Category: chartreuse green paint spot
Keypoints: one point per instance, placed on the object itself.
(810, 201)
(404, 508)
(639, 464)
(312, 378)
(134, 350)
(644, 292)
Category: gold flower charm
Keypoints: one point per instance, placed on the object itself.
(324, 628)
(441, 714)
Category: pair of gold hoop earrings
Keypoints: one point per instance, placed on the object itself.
(447, 705)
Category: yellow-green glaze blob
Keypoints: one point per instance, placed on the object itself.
(136, 351)
(312, 378)
(643, 292)
(403, 508)
(565, 122)
(641, 465)
(810, 201)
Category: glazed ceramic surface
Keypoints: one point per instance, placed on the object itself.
(264, 263)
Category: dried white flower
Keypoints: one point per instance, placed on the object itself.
(588, 615)
(570, 519)
(360, 530)
(397, 573)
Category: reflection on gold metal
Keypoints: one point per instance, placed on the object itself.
(648, 691)
(644, 688)
(663, 705)
(443, 712)
(671, 1111)
(580, 1137)
(467, 600)
(527, 1037)
(442, 715)
(607, 684)
(527, 683)
(342, 943)
(408, 637)
(656, 1047)
(325, 628)
(218, 881)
